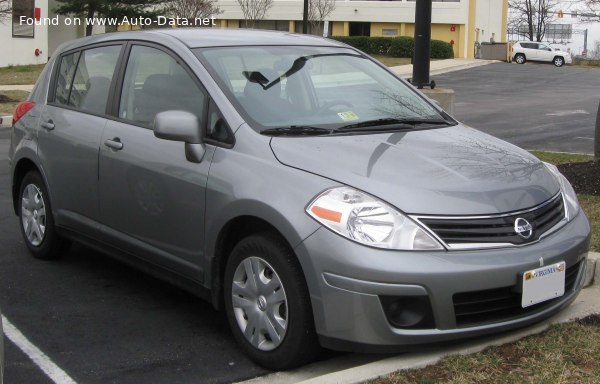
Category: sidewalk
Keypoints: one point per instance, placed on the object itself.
(356, 368)
(438, 67)
(26, 88)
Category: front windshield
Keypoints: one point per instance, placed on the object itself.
(302, 86)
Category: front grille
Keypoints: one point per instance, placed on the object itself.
(501, 304)
(498, 229)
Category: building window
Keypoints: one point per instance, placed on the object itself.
(360, 29)
(23, 9)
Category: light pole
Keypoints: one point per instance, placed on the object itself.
(420, 75)
(305, 18)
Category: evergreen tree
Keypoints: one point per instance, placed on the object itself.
(108, 8)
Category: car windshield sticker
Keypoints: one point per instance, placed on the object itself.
(348, 116)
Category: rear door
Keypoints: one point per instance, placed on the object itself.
(530, 50)
(151, 198)
(72, 123)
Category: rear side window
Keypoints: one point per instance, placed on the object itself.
(64, 80)
(94, 74)
(155, 82)
(84, 78)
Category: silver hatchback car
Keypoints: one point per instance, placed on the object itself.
(312, 194)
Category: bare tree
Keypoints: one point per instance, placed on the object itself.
(192, 9)
(531, 17)
(254, 10)
(318, 11)
(5, 10)
(591, 12)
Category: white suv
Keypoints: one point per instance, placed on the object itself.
(530, 50)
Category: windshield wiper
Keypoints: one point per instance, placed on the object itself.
(296, 130)
(384, 124)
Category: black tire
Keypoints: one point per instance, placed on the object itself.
(299, 344)
(520, 58)
(558, 61)
(49, 245)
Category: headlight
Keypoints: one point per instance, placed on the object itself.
(367, 220)
(571, 202)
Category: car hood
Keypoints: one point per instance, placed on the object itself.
(448, 171)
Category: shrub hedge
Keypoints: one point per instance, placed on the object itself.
(401, 46)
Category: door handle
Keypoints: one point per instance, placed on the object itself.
(114, 144)
(48, 125)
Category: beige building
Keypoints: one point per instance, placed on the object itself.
(461, 22)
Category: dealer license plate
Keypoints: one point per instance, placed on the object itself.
(543, 284)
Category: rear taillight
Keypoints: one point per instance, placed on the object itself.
(21, 109)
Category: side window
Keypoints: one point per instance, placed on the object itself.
(94, 74)
(155, 82)
(64, 80)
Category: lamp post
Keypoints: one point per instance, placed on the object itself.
(420, 75)
(305, 18)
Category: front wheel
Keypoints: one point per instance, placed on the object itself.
(267, 303)
(559, 61)
(37, 223)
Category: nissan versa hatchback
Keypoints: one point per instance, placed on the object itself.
(298, 185)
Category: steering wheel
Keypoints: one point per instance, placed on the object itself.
(333, 103)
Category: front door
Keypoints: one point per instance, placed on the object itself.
(152, 199)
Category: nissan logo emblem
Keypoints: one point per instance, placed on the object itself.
(523, 228)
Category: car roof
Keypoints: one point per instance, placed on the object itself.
(216, 37)
(207, 37)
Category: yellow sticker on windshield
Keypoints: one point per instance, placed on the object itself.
(348, 116)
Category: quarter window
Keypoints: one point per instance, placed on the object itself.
(64, 80)
(155, 82)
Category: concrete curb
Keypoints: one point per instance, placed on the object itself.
(587, 302)
(5, 121)
(592, 272)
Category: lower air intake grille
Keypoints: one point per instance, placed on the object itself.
(501, 304)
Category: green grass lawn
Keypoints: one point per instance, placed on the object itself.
(389, 61)
(565, 353)
(20, 74)
(557, 158)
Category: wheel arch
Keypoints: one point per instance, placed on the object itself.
(23, 166)
(234, 230)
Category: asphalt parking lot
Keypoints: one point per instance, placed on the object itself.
(535, 106)
(99, 321)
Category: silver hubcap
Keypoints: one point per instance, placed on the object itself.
(558, 62)
(519, 59)
(33, 214)
(259, 303)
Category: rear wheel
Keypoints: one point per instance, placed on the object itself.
(267, 303)
(37, 223)
(520, 58)
(559, 61)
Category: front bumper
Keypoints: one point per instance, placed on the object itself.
(347, 282)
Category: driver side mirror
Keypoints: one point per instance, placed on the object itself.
(181, 126)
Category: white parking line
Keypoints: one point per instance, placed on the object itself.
(567, 113)
(38, 357)
(584, 138)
